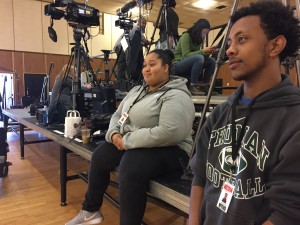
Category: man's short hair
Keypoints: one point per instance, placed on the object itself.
(276, 19)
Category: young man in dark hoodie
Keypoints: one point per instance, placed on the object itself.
(249, 147)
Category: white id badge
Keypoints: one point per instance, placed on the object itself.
(123, 118)
(225, 196)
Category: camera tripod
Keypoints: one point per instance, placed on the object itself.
(163, 12)
(78, 59)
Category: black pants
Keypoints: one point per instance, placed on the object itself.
(136, 168)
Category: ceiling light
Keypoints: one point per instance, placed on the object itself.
(204, 4)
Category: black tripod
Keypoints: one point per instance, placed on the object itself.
(81, 59)
(162, 12)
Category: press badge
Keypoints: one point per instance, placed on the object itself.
(225, 196)
(123, 118)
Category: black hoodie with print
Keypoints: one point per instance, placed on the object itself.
(267, 179)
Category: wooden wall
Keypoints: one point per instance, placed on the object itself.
(30, 62)
(225, 74)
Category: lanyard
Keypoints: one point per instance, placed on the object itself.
(236, 142)
(138, 98)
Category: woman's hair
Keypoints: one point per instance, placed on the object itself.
(195, 31)
(276, 19)
(63, 71)
(166, 56)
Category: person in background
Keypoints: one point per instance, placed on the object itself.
(86, 80)
(148, 135)
(61, 98)
(122, 59)
(249, 145)
(169, 30)
(191, 60)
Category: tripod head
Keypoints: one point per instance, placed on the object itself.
(80, 31)
(106, 55)
(165, 2)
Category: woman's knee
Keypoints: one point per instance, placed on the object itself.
(132, 167)
(130, 172)
(211, 61)
(198, 58)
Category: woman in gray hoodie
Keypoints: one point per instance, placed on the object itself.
(148, 134)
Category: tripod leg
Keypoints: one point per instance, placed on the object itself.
(116, 62)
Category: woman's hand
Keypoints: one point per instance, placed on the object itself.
(209, 50)
(117, 140)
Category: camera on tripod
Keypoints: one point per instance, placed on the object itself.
(73, 12)
(124, 22)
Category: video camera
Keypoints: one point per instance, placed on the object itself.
(124, 22)
(73, 12)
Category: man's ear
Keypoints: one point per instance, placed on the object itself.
(277, 45)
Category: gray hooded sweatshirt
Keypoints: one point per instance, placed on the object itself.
(156, 119)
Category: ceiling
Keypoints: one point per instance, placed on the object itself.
(188, 14)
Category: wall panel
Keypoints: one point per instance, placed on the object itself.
(34, 62)
(18, 66)
(28, 25)
(102, 41)
(6, 61)
(6, 25)
(59, 61)
(116, 32)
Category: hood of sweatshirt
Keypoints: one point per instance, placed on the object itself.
(284, 94)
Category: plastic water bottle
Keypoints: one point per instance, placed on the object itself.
(45, 116)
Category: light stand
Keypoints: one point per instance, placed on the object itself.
(219, 62)
(46, 85)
